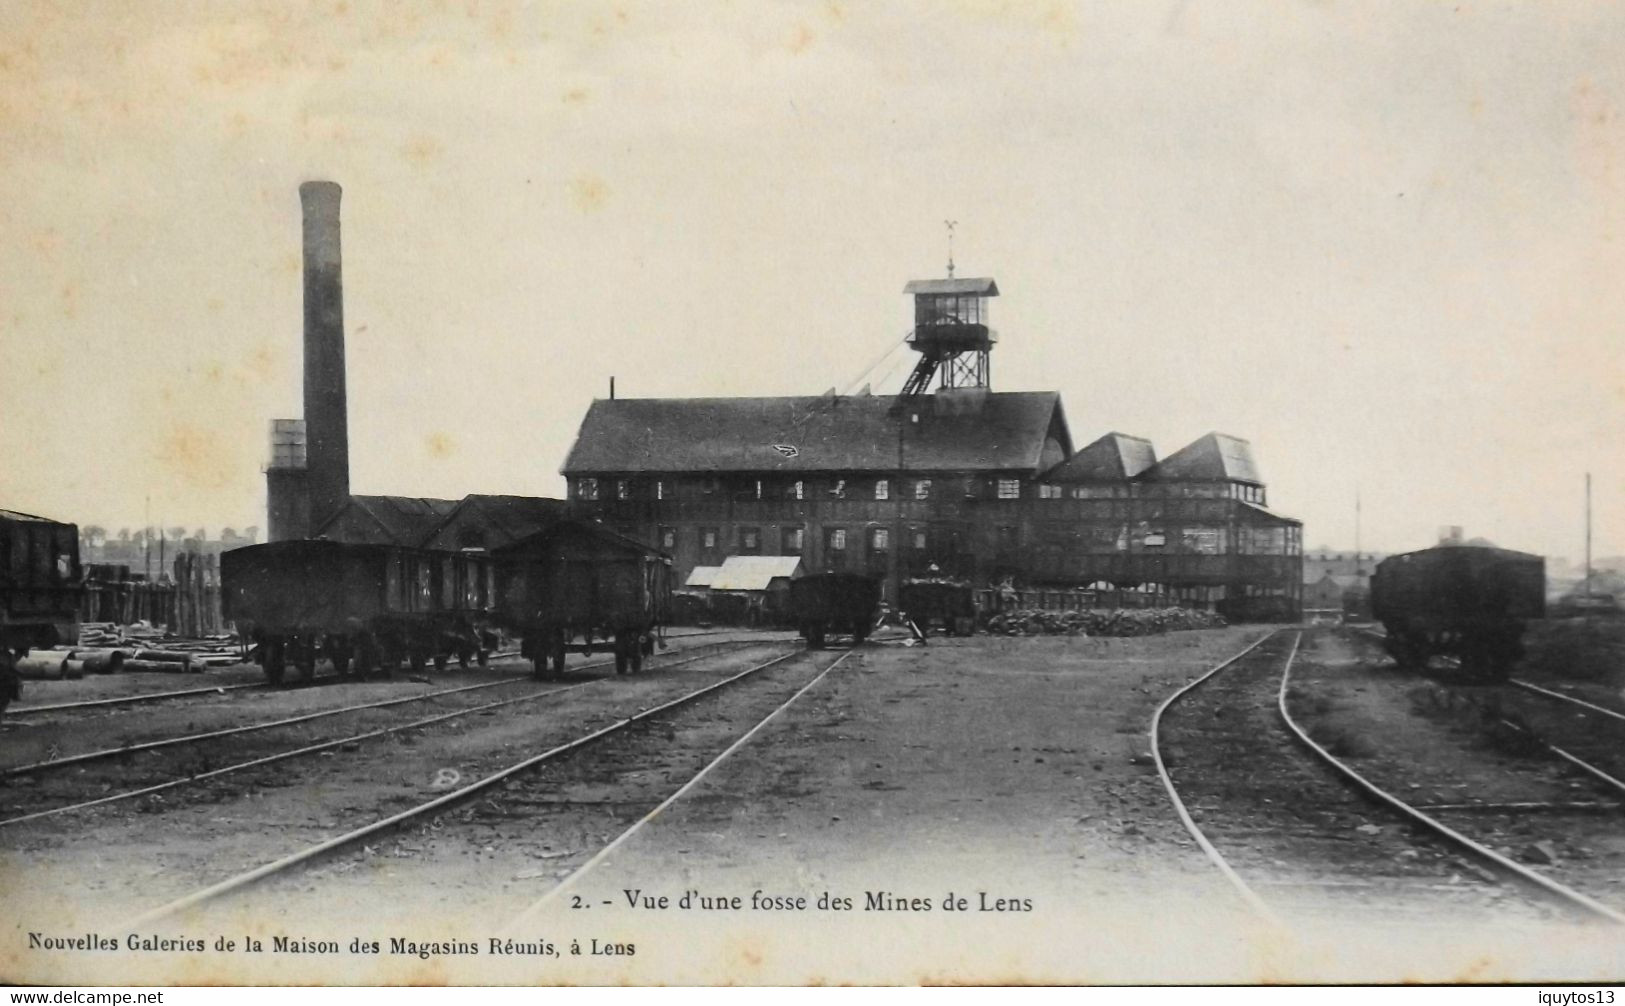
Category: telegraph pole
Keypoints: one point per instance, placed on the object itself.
(1588, 535)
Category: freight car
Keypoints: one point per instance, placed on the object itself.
(41, 583)
(948, 603)
(1459, 601)
(827, 603)
(359, 606)
(581, 580)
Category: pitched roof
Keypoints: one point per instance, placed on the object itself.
(495, 521)
(981, 287)
(20, 516)
(755, 572)
(386, 520)
(702, 576)
(572, 532)
(1216, 457)
(830, 434)
(1114, 457)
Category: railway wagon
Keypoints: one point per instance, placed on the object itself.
(828, 603)
(948, 603)
(577, 587)
(1460, 601)
(41, 583)
(359, 606)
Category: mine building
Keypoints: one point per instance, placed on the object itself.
(959, 481)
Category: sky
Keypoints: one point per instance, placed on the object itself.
(1382, 242)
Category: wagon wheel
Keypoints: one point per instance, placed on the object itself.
(10, 684)
(538, 667)
(482, 656)
(416, 661)
(304, 658)
(464, 658)
(623, 651)
(637, 655)
(441, 661)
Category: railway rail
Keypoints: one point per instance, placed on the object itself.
(339, 743)
(429, 809)
(1314, 804)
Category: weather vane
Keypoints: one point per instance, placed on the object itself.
(951, 225)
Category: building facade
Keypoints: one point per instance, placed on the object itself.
(961, 482)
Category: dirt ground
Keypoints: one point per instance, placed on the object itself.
(974, 810)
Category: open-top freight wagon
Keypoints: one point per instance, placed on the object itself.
(825, 604)
(948, 603)
(41, 583)
(578, 587)
(1459, 601)
(359, 606)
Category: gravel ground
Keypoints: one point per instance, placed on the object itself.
(1010, 772)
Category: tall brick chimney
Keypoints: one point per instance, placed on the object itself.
(326, 415)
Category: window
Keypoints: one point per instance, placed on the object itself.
(623, 489)
(970, 488)
(750, 540)
(835, 538)
(882, 489)
(919, 539)
(668, 538)
(1009, 489)
(708, 538)
(922, 489)
(660, 489)
(793, 541)
(586, 489)
(839, 489)
(1048, 492)
(1155, 539)
(879, 539)
(796, 490)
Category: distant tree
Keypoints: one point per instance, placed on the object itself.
(252, 533)
(124, 535)
(175, 534)
(93, 536)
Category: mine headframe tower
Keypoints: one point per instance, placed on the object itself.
(951, 335)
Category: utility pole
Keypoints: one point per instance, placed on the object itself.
(1588, 535)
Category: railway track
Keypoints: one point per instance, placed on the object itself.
(23, 710)
(194, 776)
(1292, 826)
(433, 809)
(1596, 751)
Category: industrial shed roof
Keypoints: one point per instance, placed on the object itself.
(827, 433)
(1112, 458)
(491, 522)
(755, 572)
(1217, 457)
(385, 520)
(981, 287)
(20, 516)
(702, 576)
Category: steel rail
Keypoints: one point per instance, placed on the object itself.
(105, 753)
(130, 700)
(1564, 895)
(446, 801)
(323, 746)
(603, 854)
(1248, 895)
(1528, 687)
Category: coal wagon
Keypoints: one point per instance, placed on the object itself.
(826, 604)
(41, 584)
(579, 587)
(359, 606)
(1461, 601)
(950, 604)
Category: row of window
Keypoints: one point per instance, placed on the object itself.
(1197, 540)
(918, 489)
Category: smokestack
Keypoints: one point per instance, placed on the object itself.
(326, 416)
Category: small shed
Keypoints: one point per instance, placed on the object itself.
(763, 580)
(701, 578)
